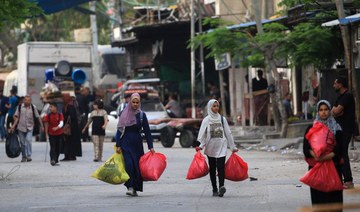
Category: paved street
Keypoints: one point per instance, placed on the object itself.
(37, 186)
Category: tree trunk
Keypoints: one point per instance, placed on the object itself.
(279, 114)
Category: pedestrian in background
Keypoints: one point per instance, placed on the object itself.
(174, 107)
(24, 117)
(130, 142)
(3, 111)
(215, 136)
(72, 143)
(99, 119)
(54, 121)
(11, 106)
(344, 113)
(323, 115)
(83, 100)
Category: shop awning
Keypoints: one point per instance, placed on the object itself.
(53, 6)
(343, 21)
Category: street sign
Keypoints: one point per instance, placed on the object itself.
(223, 62)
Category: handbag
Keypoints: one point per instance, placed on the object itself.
(12, 145)
(67, 127)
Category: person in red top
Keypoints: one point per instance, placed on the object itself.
(54, 121)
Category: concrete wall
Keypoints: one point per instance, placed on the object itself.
(239, 11)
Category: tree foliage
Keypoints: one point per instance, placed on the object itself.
(306, 43)
(312, 44)
(16, 11)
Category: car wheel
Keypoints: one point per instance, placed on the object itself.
(167, 136)
(186, 138)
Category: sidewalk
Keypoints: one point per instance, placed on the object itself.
(291, 146)
(255, 140)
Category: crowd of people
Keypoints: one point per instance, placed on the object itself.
(19, 115)
(65, 129)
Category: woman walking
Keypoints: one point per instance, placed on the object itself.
(130, 142)
(99, 119)
(215, 136)
(72, 143)
(332, 152)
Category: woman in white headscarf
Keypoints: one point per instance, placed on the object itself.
(215, 136)
(332, 152)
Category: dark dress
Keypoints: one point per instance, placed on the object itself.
(131, 144)
(319, 197)
(72, 144)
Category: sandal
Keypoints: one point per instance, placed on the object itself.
(348, 185)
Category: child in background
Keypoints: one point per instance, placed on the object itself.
(215, 136)
(99, 120)
(54, 121)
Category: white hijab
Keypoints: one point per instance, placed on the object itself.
(211, 118)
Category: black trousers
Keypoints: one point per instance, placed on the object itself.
(219, 165)
(346, 169)
(55, 141)
(9, 120)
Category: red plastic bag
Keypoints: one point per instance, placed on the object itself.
(236, 169)
(321, 139)
(323, 177)
(198, 167)
(152, 165)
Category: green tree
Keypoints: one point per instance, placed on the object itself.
(16, 11)
(277, 42)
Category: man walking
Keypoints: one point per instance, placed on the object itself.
(3, 111)
(344, 113)
(24, 119)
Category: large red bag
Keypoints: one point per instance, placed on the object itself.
(236, 169)
(323, 177)
(198, 167)
(152, 165)
(321, 139)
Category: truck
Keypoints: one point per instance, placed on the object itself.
(34, 58)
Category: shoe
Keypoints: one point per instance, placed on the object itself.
(72, 158)
(131, 192)
(348, 185)
(23, 160)
(96, 160)
(28, 159)
(64, 159)
(52, 163)
(222, 191)
(215, 194)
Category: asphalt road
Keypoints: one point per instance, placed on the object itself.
(38, 186)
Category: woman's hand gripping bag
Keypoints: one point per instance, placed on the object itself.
(236, 169)
(152, 165)
(323, 177)
(198, 167)
(113, 170)
(320, 138)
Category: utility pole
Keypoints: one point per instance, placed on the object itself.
(95, 59)
(202, 65)
(192, 58)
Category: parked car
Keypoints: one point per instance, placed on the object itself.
(150, 104)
